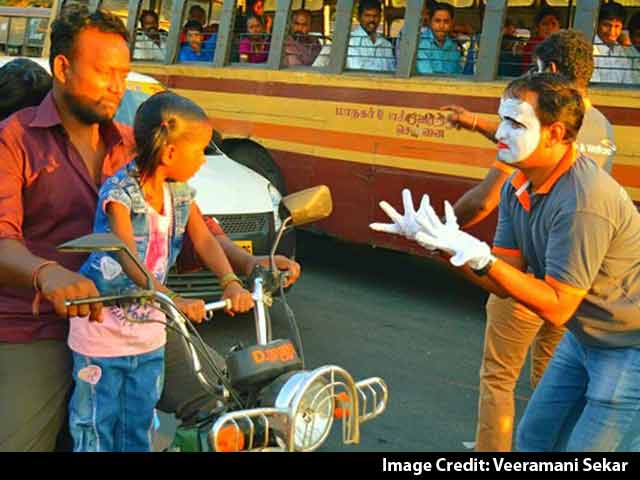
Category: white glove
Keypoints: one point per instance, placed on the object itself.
(464, 248)
(406, 224)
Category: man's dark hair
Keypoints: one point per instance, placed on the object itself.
(546, 12)
(301, 11)
(66, 28)
(571, 52)
(149, 13)
(368, 5)
(558, 100)
(437, 6)
(634, 23)
(612, 11)
(193, 25)
(23, 83)
(197, 8)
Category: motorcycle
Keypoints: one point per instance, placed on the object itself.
(266, 399)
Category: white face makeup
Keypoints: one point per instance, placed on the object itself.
(518, 134)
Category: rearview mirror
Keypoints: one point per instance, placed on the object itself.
(94, 242)
(309, 205)
(104, 242)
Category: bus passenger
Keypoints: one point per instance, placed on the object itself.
(567, 53)
(300, 48)
(547, 21)
(254, 46)
(194, 49)
(367, 49)
(634, 50)
(23, 83)
(151, 42)
(424, 26)
(437, 51)
(612, 64)
(566, 248)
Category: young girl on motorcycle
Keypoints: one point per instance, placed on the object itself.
(119, 361)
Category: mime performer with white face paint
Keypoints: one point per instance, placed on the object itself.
(566, 248)
(511, 328)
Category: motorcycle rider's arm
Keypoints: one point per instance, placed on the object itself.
(57, 284)
(210, 251)
(243, 261)
(18, 265)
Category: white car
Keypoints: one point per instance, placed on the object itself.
(243, 202)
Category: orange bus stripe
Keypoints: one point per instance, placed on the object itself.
(481, 157)
(627, 175)
(392, 98)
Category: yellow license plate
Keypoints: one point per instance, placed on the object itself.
(246, 245)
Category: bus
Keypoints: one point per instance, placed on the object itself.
(366, 134)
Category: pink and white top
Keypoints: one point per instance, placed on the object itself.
(120, 334)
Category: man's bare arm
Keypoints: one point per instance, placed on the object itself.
(17, 266)
(477, 203)
(463, 118)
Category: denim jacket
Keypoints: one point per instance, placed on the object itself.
(123, 187)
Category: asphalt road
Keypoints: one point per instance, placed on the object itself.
(408, 320)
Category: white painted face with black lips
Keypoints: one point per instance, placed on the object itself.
(518, 134)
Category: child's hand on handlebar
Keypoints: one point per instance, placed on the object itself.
(192, 308)
(241, 299)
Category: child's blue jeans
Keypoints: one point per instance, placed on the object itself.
(113, 401)
(587, 400)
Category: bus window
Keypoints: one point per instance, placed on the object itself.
(524, 28)
(616, 57)
(633, 28)
(16, 38)
(449, 39)
(305, 39)
(199, 34)
(251, 37)
(150, 39)
(118, 7)
(369, 49)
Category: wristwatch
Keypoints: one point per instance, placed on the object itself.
(481, 272)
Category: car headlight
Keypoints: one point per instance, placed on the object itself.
(276, 199)
(312, 409)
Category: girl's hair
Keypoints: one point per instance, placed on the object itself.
(159, 121)
(23, 83)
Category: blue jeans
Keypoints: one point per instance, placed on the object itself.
(588, 399)
(113, 410)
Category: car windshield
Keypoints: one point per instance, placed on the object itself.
(129, 105)
(127, 112)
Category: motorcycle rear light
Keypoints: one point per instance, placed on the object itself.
(230, 439)
(342, 409)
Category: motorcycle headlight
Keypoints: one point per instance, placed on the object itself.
(311, 402)
(276, 198)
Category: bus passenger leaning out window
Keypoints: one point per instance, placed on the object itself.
(300, 48)
(612, 64)
(254, 46)
(567, 53)
(547, 21)
(634, 49)
(151, 42)
(195, 49)
(437, 51)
